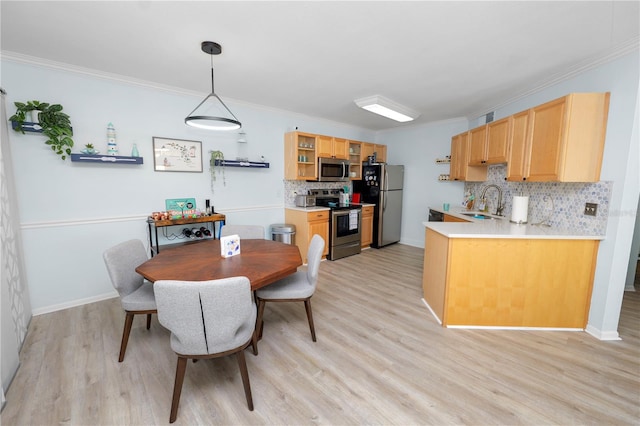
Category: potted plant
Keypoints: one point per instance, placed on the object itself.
(216, 156)
(55, 124)
(89, 149)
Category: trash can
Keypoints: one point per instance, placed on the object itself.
(283, 232)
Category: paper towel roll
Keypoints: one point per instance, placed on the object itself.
(519, 209)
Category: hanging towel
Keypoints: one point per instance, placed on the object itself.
(353, 220)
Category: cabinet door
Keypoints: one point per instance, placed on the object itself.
(340, 148)
(367, 226)
(367, 150)
(497, 141)
(478, 146)
(519, 144)
(460, 169)
(381, 151)
(455, 171)
(324, 146)
(547, 121)
(320, 227)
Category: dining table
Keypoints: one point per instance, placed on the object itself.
(261, 261)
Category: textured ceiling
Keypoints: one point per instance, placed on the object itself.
(443, 59)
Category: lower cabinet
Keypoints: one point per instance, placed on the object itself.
(309, 223)
(449, 218)
(508, 282)
(367, 226)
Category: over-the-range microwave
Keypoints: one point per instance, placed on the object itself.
(333, 170)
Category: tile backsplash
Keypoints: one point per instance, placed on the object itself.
(558, 204)
(293, 187)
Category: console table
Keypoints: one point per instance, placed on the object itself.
(208, 221)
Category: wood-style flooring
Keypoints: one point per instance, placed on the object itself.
(380, 359)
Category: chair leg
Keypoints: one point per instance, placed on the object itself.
(181, 368)
(242, 363)
(307, 307)
(254, 342)
(148, 321)
(128, 321)
(259, 320)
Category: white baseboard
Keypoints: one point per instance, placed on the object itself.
(602, 335)
(74, 303)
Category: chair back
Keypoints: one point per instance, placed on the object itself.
(122, 261)
(314, 256)
(206, 317)
(250, 232)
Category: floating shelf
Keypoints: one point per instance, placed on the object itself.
(249, 164)
(29, 127)
(118, 159)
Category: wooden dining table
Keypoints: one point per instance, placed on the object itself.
(262, 261)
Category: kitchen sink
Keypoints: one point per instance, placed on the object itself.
(481, 216)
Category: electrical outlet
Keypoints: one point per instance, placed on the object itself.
(590, 209)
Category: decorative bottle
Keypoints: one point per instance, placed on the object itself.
(134, 151)
(112, 147)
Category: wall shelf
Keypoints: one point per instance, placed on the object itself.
(118, 159)
(29, 127)
(248, 164)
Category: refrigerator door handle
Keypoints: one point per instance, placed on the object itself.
(386, 180)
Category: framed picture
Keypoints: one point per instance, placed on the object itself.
(177, 155)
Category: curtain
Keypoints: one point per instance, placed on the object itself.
(14, 297)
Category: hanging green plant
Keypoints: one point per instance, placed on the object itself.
(55, 124)
(213, 169)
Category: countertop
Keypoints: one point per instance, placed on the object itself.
(500, 228)
(320, 208)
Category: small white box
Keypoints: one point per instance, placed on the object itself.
(229, 245)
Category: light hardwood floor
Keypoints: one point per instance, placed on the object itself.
(380, 358)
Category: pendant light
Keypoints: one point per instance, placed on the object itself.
(202, 119)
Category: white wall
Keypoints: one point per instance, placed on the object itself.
(71, 212)
(417, 147)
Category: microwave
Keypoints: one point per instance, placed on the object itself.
(333, 170)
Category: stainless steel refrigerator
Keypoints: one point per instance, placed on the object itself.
(381, 184)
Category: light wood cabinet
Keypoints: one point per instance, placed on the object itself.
(309, 223)
(478, 146)
(300, 156)
(564, 140)
(489, 143)
(449, 218)
(332, 147)
(369, 148)
(367, 226)
(355, 165)
(517, 167)
(459, 167)
(541, 282)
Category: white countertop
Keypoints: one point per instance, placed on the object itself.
(500, 228)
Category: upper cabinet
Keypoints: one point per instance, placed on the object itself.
(369, 148)
(563, 141)
(460, 153)
(355, 165)
(332, 147)
(300, 156)
(489, 143)
(518, 147)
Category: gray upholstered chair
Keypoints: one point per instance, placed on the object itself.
(136, 294)
(250, 232)
(207, 319)
(298, 287)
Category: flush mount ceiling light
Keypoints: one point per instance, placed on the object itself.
(387, 108)
(203, 119)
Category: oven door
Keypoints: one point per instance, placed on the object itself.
(345, 226)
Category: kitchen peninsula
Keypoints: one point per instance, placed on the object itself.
(496, 274)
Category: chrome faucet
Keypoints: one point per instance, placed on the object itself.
(500, 206)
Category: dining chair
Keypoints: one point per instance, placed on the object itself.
(255, 232)
(207, 319)
(298, 287)
(136, 294)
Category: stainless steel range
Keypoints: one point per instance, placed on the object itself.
(344, 224)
